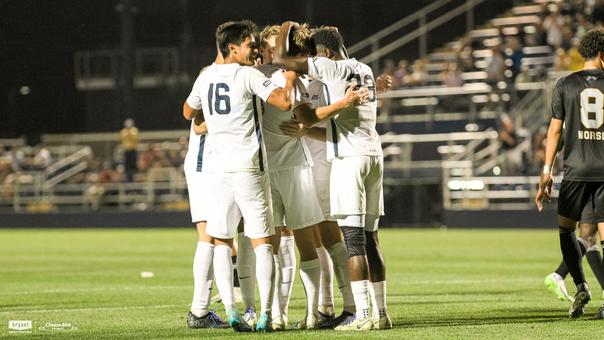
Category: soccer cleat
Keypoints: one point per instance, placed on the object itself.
(555, 284)
(250, 317)
(599, 314)
(353, 324)
(264, 323)
(333, 323)
(323, 318)
(383, 322)
(309, 322)
(237, 323)
(210, 320)
(581, 299)
(278, 324)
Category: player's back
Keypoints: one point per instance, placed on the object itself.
(233, 116)
(283, 152)
(352, 131)
(579, 100)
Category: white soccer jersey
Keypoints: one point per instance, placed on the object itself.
(226, 94)
(283, 152)
(195, 152)
(352, 131)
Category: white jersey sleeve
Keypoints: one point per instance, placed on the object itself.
(194, 98)
(325, 69)
(257, 83)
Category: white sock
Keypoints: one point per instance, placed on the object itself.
(264, 275)
(310, 273)
(287, 252)
(276, 293)
(360, 291)
(223, 273)
(202, 278)
(339, 258)
(246, 269)
(374, 308)
(326, 289)
(379, 299)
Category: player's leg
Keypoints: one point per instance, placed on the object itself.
(588, 232)
(222, 226)
(253, 198)
(331, 237)
(278, 323)
(326, 309)
(599, 218)
(572, 198)
(377, 271)
(246, 268)
(310, 274)
(287, 256)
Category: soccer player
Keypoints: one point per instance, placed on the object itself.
(588, 244)
(199, 316)
(238, 182)
(578, 103)
(356, 193)
(295, 203)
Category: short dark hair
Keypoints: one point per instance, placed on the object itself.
(233, 32)
(592, 43)
(329, 37)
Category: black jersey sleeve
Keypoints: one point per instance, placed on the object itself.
(558, 111)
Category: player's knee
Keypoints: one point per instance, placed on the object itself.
(355, 241)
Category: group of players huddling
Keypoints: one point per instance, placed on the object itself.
(288, 147)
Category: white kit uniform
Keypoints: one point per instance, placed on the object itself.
(353, 143)
(196, 183)
(321, 166)
(295, 204)
(238, 182)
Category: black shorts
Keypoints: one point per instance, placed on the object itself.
(575, 196)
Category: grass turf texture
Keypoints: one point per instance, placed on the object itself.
(441, 284)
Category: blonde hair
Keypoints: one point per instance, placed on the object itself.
(300, 39)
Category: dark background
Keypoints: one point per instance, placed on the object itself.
(39, 37)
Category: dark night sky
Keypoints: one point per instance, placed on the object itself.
(39, 38)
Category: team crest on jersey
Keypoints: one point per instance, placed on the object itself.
(590, 78)
(266, 83)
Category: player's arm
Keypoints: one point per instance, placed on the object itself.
(551, 149)
(188, 112)
(299, 63)
(309, 116)
(199, 124)
(297, 130)
(282, 98)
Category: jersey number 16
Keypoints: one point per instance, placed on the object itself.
(218, 92)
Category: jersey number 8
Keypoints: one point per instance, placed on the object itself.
(592, 108)
(220, 98)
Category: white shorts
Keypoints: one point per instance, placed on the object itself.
(356, 186)
(236, 195)
(295, 203)
(198, 195)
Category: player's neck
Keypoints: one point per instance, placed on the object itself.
(593, 64)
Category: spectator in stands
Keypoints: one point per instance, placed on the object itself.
(509, 141)
(41, 158)
(553, 24)
(451, 76)
(524, 76)
(400, 75)
(575, 60)
(516, 55)
(495, 65)
(130, 139)
(465, 60)
(419, 76)
(561, 60)
(581, 25)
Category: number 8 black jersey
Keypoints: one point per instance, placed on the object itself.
(578, 100)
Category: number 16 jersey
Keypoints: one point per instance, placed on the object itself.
(578, 100)
(352, 131)
(226, 94)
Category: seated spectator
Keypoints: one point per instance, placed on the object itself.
(398, 79)
(575, 60)
(41, 159)
(553, 24)
(516, 54)
(524, 76)
(495, 66)
(451, 76)
(419, 76)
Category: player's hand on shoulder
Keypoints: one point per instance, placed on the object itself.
(291, 23)
(356, 97)
(292, 129)
(545, 190)
(383, 83)
(290, 75)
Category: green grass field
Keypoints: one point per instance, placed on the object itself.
(441, 284)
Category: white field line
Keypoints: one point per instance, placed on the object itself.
(91, 309)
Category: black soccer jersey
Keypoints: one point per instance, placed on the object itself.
(578, 100)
